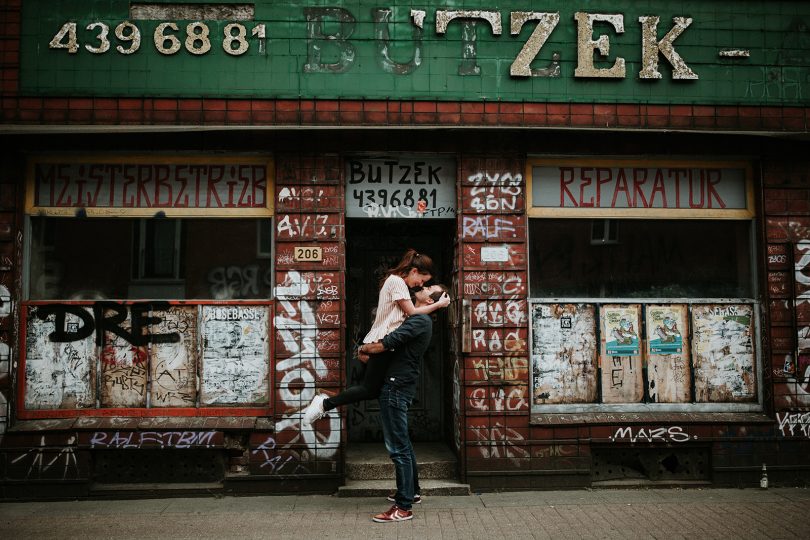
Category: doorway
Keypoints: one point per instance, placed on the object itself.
(373, 246)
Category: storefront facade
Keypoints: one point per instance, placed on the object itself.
(198, 202)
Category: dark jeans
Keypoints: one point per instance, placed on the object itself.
(394, 404)
(376, 367)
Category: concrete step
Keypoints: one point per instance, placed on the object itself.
(382, 488)
(370, 461)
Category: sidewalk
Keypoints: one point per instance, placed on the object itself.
(621, 514)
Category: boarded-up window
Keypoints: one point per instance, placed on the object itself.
(147, 356)
(649, 353)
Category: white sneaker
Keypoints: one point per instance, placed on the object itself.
(314, 411)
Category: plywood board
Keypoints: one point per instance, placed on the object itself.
(123, 370)
(563, 354)
(174, 365)
(723, 353)
(58, 375)
(669, 378)
(236, 355)
(622, 369)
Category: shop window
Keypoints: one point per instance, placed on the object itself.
(147, 285)
(583, 258)
(172, 259)
(650, 312)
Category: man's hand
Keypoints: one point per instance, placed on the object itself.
(367, 349)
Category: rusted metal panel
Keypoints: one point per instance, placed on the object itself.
(496, 369)
(621, 353)
(58, 375)
(489, 284)
(295, 285)
(563, 354)
(778, 257)
(500, 340)
(309, 199)
(309, 226)
(501, 199)
(489, 313)
(332, 258)
(723, 353)
(668, 375)
(508, 256)
(308, 342)
(174, 365)
(779, 284)
(235, 358)
(498, 228)
(123, 370)
(497, 398)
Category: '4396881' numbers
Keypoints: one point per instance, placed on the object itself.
(167, 38)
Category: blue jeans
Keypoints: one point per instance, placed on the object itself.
(394, 403)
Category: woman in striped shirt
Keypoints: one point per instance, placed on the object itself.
(393, 306)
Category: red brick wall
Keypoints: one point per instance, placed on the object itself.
(309, 318)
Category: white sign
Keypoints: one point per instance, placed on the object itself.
(401, 187)
(641, 188)
(494, 254)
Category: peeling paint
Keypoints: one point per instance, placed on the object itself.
(546, 22)
(650, 47)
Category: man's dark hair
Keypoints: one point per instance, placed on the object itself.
(438, 294)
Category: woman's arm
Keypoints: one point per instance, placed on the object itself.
(407, 306)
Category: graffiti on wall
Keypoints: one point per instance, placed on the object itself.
(486, 192)
(56, 459)
(147, 354)
(274, 460)
(671, 434)
(297, 326)
(499, 441)
(794, 424)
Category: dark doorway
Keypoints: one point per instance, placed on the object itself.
(373, 246)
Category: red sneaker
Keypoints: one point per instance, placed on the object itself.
(394, 514)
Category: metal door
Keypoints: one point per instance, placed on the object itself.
(373, 246)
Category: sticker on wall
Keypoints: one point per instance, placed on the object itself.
(563, 354)
(620, 326)
(664, 324)
(723, 353)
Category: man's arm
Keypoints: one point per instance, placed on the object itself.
(409, 330)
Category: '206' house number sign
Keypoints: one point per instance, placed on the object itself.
(401, 188)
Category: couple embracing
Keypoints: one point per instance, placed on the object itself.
(392, 351)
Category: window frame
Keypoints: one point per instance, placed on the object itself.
(621, 214)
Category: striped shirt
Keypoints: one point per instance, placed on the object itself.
(389, 314)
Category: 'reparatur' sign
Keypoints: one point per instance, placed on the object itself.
(628, 188)
(401, 187)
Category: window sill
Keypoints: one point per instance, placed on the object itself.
(650, 417)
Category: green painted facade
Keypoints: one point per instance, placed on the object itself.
(776, 34)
